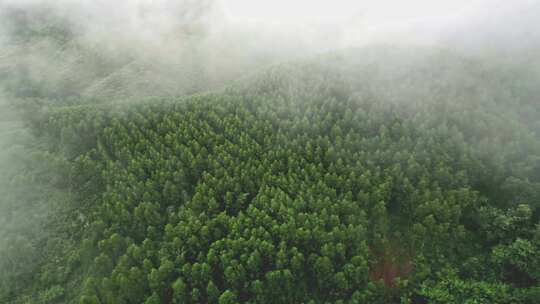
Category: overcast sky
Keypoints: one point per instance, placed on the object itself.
(322, 23)
(336, 10)
(368, 18)
(383, 11)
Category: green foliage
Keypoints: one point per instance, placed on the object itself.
(291, 187)
(451, 289)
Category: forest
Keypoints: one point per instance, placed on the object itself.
(379, 174)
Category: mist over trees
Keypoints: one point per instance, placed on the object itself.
(163, 155)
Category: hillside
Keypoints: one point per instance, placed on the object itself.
(46, 53)
(373, 175)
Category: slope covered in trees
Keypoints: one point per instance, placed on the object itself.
(368, 176)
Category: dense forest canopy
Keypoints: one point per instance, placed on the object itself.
(185, 173)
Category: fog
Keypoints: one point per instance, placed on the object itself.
(99, 48)
(136, 48)
(366, 22)
(60, 50)
(358, 21)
